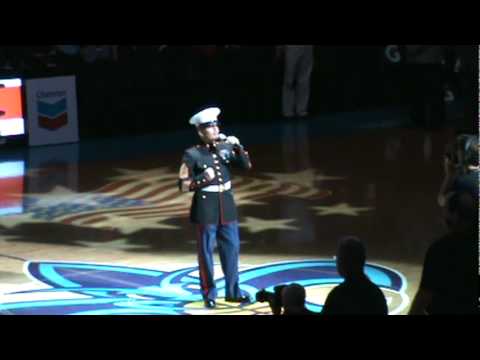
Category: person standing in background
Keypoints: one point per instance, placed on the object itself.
(298, 66)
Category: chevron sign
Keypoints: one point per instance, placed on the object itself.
(52, 110)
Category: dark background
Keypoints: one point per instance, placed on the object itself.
(145, 90)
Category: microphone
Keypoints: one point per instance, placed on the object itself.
(222, 137)
(225, 139)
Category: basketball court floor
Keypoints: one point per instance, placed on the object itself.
(101, 228)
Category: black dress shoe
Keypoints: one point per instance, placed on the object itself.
(241, 299)
(210, 304)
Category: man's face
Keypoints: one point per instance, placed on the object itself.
(209, 134)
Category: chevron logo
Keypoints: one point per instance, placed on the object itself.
(52, 116)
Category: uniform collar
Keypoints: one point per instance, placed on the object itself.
(207, 146)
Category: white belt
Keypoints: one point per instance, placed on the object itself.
(218, 188)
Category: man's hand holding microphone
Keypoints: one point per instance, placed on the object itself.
(209, 173)
(229, 139)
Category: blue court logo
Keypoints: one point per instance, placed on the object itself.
(67, 288)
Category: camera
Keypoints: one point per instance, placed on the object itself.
(274, 299)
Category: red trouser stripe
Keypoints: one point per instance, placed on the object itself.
(201, 261)
(220, 199)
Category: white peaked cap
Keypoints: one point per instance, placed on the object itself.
(205, 116)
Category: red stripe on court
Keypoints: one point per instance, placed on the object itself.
(157, 191)
(95, 220)
(132, 190)
(114, 186)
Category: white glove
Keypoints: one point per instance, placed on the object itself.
(209, 174)
(233, 140)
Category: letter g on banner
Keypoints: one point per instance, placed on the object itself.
(392, 53)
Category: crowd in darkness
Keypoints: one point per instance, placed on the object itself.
(150, 88)
(156, 87)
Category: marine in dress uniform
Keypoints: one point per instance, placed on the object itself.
(205, 170)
